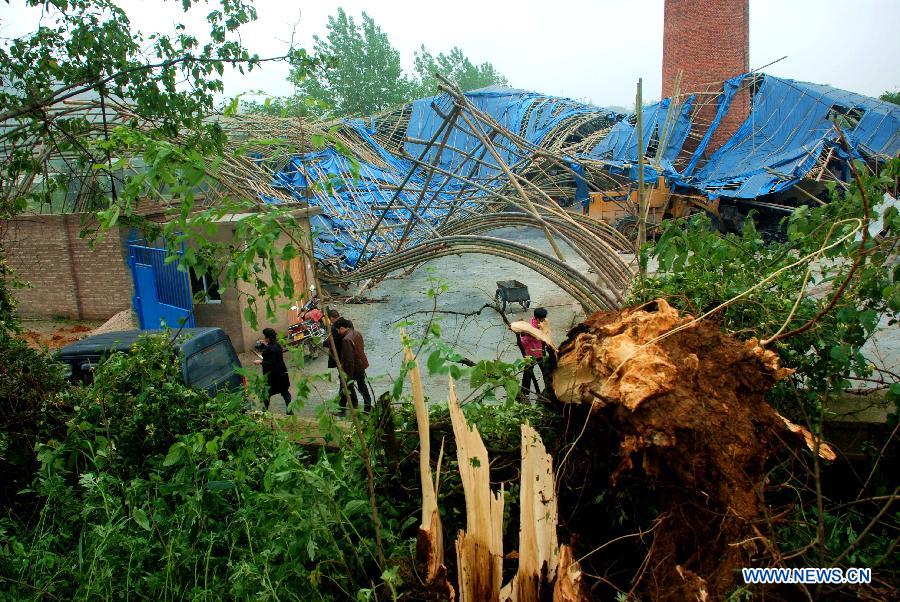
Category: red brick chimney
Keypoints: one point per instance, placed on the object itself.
(708, 41)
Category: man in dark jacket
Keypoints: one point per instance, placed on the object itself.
(333, 316)
(354, 362)
(274, 368)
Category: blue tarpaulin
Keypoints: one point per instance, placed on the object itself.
(789, 127)
(353, 205)
(790, 124)
(527, 114)
(620, 147)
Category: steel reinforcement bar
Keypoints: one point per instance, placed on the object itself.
(591, 296)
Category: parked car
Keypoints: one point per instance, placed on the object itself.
(208, 359)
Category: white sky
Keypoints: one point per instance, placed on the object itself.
(593, 50)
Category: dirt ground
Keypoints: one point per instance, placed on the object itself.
(56, 334)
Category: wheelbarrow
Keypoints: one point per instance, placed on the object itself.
(512, 291)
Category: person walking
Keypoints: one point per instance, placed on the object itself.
(354, 363)
(534, 348)
(333, 316)
(274, 368)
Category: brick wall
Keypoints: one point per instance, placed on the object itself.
(708, 41)
(69, 279)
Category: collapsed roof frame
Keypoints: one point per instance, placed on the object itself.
(398, 200)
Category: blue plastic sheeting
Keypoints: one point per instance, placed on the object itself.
(527, 114)
(620, 147)
(582, 193)
(340, 235)
(729, 91)
(349, 207)
(790, 125)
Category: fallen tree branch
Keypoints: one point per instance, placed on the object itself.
(869, 527)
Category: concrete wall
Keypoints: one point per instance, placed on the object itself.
(68, 278)
(229, 313)
(708, 41)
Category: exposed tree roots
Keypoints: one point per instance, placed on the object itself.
(685, 405)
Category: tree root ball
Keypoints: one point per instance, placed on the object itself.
(687, 404)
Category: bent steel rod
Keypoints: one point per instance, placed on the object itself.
(569, 279)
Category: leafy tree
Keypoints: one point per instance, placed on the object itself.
(893, 97)
(760, 290)
(86, 50)
(363, 74)
(455, 66)
(169, 144)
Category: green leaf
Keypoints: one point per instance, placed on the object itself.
(435, 362)
(250, 316)
(869, 320)
(354, 507)
(397, 389)
(839, 353)
(140, 517)
(409, 522)
(113, 216)
(175, 455)
(219, 485)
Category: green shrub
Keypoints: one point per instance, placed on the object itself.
(163, 492)
(29, 380)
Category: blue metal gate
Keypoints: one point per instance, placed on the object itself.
(162, 293)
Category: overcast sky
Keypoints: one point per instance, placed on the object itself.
(592, 50)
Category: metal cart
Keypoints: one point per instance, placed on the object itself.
(512, 291)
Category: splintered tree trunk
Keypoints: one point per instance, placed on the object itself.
(544, 567)
(479, 549)
(430, 541)
(538, 552)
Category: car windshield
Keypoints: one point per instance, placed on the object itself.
(210, 365)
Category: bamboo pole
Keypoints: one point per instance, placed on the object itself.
(641, 221)
(489, 145)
